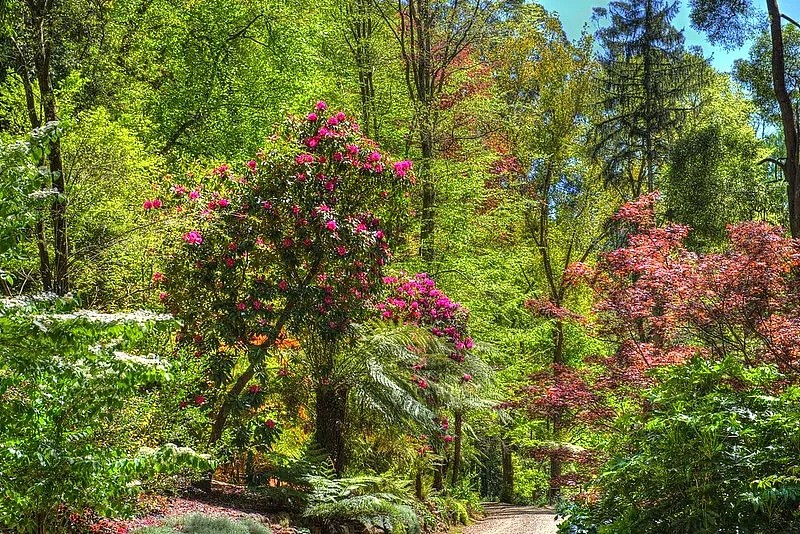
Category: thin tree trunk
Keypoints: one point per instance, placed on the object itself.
(427, 228)
(555, 461)
(507, 488)
(791, 167)
(457, 433)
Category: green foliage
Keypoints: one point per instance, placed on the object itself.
(24, 189)
(64, 377)
(203, 524)
(366, 500)
(714, 177)
(715, 452)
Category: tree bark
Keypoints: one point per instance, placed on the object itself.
(331, 424)
(457, 433)
(428, 225)
(791, 168)
(555, 461)
(507, 488)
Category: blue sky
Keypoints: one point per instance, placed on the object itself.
(575, 13)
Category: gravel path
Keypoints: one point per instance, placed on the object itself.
(508, 519)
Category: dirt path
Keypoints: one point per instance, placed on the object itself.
(508, 519)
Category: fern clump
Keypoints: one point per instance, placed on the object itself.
(372, 502)
(203, 524)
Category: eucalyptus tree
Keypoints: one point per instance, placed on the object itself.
(730, 22)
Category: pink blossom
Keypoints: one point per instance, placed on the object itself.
(193, 238)
(448, 438)
(304, 158)
(467, 377)
(331, 225)
(311, 142)
(270, 423)
(241, 306)
(148, 204)
(200, 400)
(255, 388)
(178, 190)
(321, 106)
(341, 251)
(230, 262)
(158, 277)
(333, 121)
(283, 285)
(194, 195)
(373, 157)
(312, 117)
(402, 167)
(341, 116)
(223, 203)
(163, 296)
(352, 149)
(252, 165)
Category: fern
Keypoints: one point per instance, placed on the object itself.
(370, 501)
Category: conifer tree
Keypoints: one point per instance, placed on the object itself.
(647, 75)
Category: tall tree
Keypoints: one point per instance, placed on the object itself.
(728, 22)
(647, 74)
(31, 33)
(546, 82)
(431, 35)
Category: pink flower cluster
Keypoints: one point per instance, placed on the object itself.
(418, 301)
(193, 238)
(153, 204)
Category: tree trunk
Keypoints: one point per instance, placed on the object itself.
(457, 433)
(507, 488)
(791, 169)
(427, 227)
(418, 484)
(438, 476)
(331, 424)
(555, 461)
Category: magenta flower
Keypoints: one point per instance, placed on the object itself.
(341, 116)
(402, 167)
(193, 238)
(194, 195)
(467, 377)
(312, 117)
(331, 225)
(241, 306)
(158, 277)
(148, 204)
(311, 142)
(223, 203)
(252, 165)
(283, 285)
(333, 121)
(270, 423)
(341, 251)
(321, 106)
(230, 262)
(374, 156)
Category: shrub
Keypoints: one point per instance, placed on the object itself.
(64, 377)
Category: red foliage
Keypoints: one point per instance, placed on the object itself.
(663, 303)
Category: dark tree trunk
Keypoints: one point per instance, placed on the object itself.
(507, 488)
(418, 484)
(438, 476)
(457, 434)
(331, 424)
(791, 169)
(427, 226)
(555, 462)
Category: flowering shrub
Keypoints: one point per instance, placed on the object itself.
(293, 242)
(65, 376)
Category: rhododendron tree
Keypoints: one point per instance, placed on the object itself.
(444, 382)
(294, 242)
